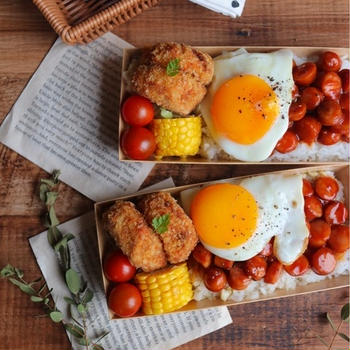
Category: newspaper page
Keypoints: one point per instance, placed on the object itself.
(156, 333)
(67, 118)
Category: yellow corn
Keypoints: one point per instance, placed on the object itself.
(177, 137)
(165, 290)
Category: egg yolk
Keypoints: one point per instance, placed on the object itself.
(244, 108)
(224, 215)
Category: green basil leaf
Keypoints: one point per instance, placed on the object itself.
(173, 67)
(7, 271)
(51, 198)
(75, 330)
(36, 299)
(56, 316)
(165, 113)
(160, 223)
(53, 236)
(84, 341)
(23, 287)
(47, 182)
(344, 336)
(330, 321)
(344, 313)
(73, 281)
(46, 301)
(88, 295)
(53, 218)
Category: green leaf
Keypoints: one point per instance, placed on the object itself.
(344, 313)
(46, 301)
(53, 218)
(36, 299)
(75, 330)
(47, 182)
(173, 67)
(97, 347)
(69, 301)
(56, 316)
(44, 188)
(165, 113)
(322, 340)
(81, 308)
(63, 242)
(23, 287)
(160, 223)
(7, 271)
(54, 235)
(51, 198)
(84, 341)
(64, 257)
(19, 272)
(330, 321)
(88, 295)
(55, 174)
(344, 336)
(73, 281)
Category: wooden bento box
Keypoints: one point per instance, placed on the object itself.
(129, 54)
(105, 242)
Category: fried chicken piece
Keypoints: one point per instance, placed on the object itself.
(182, 92)
(131, 233)
(180, 238)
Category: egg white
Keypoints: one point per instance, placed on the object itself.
(274, 68)
(280, 213)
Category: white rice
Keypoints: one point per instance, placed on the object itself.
(258, 289)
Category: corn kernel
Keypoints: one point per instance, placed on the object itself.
(177, 137)
(169, 289)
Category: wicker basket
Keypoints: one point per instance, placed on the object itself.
(81, 21)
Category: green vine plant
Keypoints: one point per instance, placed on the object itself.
(344, 317)
(80, 294)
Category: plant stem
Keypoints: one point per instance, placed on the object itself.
(335, 334)
(85, 330)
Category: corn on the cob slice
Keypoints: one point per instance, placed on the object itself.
(165, 290)
(177, 137)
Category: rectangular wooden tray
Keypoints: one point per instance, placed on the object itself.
(128, 54)
(104, 241)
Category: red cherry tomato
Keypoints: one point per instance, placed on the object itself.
(339, 239)
(299, 266)
(319, 233)
(326, 187)
(273, 272)
(137, 111)
(307, 188)
(138, 143)
(335, 213)
(118, 268)
(215, 279)
(329, 62)
(237, 278)
(345, 79)
(125, 300)
(223, 263)
(323, 261)
(256, 267)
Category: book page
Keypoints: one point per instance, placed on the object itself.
(157, 332)
(67, 118)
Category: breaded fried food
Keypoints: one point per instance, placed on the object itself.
(180, 237)
(179, 93)
(131, 233)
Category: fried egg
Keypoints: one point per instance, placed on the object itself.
(236, 220)
(246, 107)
